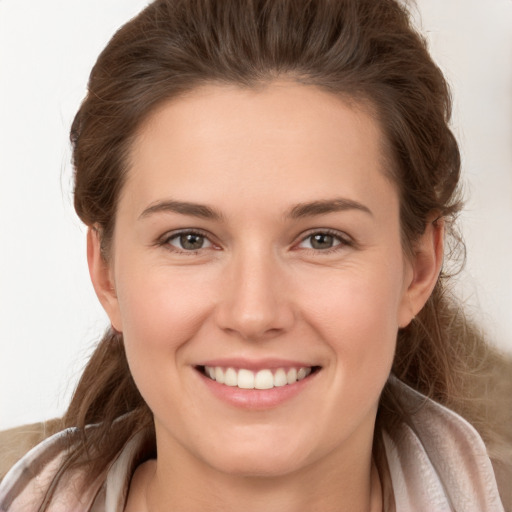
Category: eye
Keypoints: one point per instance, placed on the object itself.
(188, 241)
(323, 241)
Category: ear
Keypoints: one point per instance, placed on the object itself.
(424, 265)
(102, 277)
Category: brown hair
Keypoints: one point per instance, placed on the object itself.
(365, 50)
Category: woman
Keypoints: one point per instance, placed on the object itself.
(268, 186)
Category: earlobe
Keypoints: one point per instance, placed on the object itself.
(426, 265)
(101, 274)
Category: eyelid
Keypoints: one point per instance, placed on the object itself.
(344, 239)
(164, 240)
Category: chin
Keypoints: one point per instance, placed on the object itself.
(256, 459)
(258, 466)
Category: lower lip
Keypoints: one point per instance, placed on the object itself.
(257, 399)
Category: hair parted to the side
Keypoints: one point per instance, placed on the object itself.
(368, 52)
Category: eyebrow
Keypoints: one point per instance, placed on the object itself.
(183, 207)
(301, 210)
(322, 207)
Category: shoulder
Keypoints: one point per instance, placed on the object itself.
(16, 442)
(49, 475)
(44, 476)
(28, 481)
(436, 453)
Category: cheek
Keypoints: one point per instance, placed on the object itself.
(156, 298)
(161, 314)
(357, 316)
(161, 310)
(358, 301)
(352, 312)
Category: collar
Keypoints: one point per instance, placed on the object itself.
(437, 463)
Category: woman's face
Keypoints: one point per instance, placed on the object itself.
(257, 240)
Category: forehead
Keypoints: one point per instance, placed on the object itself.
(281, 140)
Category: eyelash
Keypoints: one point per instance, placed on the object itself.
(343, 239)
(166, 239)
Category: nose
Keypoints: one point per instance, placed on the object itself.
(254, 300)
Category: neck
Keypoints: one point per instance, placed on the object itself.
(327, 486)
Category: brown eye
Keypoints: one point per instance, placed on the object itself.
(189, 241)
(322, 241)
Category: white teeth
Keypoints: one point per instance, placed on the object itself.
(230, 377)
(291, 376)
(303, 373)
(263, 379)
(280, 378)
(245, 379)
(219, 374)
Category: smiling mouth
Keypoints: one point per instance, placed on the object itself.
(243, 378)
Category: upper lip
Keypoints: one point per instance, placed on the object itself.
(256, 364)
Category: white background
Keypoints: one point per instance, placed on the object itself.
(49, 317)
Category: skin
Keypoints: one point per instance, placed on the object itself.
(257, 289)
